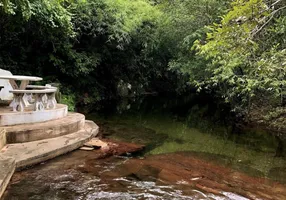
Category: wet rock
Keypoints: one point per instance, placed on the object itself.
(85, 148)
(148, 173)
(96, 143)
(119, 148)
(65, 177)
(199, 174)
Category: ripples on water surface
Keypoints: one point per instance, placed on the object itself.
(88, 179)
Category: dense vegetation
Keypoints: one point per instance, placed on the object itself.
(100, 49)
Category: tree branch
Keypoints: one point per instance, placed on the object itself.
(257, 30)
(275, 3)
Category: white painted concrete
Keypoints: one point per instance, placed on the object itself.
(20, 77)
(13, 118)
(4, 93)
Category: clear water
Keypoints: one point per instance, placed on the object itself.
(189, 155)
(157, 124)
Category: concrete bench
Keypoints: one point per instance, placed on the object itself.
(39, 87)
(28, 98)
(40, 102)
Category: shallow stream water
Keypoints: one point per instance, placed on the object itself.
(189, 154)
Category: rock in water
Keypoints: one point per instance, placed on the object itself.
(94, 142)
(86, 148)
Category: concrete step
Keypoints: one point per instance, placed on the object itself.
(71, 123)
(7, 168)
(30, 153)
(2, 138)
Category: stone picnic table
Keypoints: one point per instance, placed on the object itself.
(24, 80)
(44, 96)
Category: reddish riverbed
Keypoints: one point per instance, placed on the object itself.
(88, 175)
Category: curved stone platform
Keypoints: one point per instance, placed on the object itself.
(71, 123)
(8, 117)
(30, 153)
(31, 137)
(20, 155)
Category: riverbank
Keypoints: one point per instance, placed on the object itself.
(271, 119)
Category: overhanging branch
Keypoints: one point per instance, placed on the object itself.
(258, 29)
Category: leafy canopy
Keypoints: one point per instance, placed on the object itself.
(241, 63)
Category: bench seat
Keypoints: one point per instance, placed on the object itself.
(44, 98)
(40, 86)
(45, 91)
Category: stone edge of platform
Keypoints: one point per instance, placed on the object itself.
(7, 168)
(90, 132)
(91, 129)
(14, 118)
(71, 123)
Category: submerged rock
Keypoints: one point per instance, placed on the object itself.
(119, 148)
(278, 173)
(184, 175)
(190, 171)
(65, 177)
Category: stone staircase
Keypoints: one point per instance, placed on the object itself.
(27, 144)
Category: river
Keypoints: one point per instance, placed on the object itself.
(192, 152)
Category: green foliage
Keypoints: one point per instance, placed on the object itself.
(236, 49)
(183, 23)
(87, 45)
(69, 100)
(52, 13)
(128, 17)
(241, 63)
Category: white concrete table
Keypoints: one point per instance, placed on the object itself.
(22, 86)
(24, 81)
